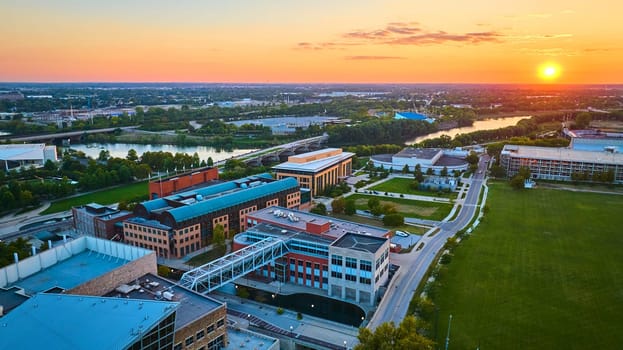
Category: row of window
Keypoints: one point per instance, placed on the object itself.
(351, 263)
(200, 335)
(144, 229)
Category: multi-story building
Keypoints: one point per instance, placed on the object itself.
(159, 188)
(317, 170)
(110, 292)
(550, 163)
(313, 241)
(428, 158)
(98, 220)
(187, 219)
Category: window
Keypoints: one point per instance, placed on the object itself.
(178, 346)
(365, 265)
(210, 328)
(351, 262)
(189, 340)
(200, 334)
(336, 260)
(220, 323)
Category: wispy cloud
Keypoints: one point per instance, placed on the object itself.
(442, 37)
(372, 58)
(554, 51)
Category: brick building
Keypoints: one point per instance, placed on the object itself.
(99, 221)
(185, 221)
(163, 187)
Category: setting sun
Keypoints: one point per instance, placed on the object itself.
(549, 71)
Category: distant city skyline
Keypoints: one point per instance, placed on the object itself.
(348, 41)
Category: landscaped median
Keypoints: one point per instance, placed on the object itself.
(406, 207)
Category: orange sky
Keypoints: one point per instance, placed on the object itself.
(261, 41)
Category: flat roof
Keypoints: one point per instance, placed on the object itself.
(146, 222)
(11, 298)
(315, 165)
(241, 339)
(450, 161)
(299, 219)
(191, 306)
(22, 151)
(562, 154)
(360, 242)
(62, 321)
(422, 153)
(71, 272)
(288, 233)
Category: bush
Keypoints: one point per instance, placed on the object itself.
(393, 220)
(299, 316)
(280, 311)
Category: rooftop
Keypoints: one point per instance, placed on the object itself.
(409, 115)
(191, 306)
(146, 222)
(562, 154)
(278, 231)
(422, 153)
(298, 220)
(69, 265)
(242, 338)
(314, 161)
(22, 151)
(60, 321)
(360, 242)
(11, 298)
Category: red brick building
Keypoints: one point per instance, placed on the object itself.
(163, 187)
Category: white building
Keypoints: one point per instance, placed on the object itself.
(24, 155)
(433, 158)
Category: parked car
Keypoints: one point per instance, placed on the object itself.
(402, 234)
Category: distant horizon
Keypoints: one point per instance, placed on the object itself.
(321, 42)
(301, 83)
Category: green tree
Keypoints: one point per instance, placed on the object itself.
(583, 120)
(429, 171)
(350, 208)
(338, 205)
(498, 171)
(472, 158)
(405, 169)
(444, 171)
(524, 172)
(218, 236)
(373, 202)
(210, 161)
(389, 337)
(517, 182)
(132, 155)
(319, 209)
(393, 220)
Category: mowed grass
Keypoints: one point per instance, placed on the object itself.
(402, 185)
(406, 207)
(544, 270)
(106, 196)
(378, 223)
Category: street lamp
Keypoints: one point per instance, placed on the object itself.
(448, 335)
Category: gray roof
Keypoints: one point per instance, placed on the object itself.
(422, 153)
(360, 242)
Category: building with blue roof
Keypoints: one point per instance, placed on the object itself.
(60, 321)
(413, 116)
(181, 223)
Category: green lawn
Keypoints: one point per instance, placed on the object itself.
(406, 207)
(206, 257)
(402, 185)
(544, 270)
(106, 196)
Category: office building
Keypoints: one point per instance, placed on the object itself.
(428, 158)
(179, 224)
(562, 164)
(317, 170)
(100, 221)
(346, 259)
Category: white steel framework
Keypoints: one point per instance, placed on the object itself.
(215, 274)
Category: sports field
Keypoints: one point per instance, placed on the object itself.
(544, 270)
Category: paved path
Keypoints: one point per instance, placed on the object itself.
(413, 266)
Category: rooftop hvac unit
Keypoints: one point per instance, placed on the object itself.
(167, 295)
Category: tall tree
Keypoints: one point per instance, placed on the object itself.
(389, 337)
(338, 205)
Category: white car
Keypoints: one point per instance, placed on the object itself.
(402, 234)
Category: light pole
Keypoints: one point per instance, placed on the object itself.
(448, 335)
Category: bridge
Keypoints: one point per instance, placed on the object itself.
(215, 274)
(65, 135)
(282, 152)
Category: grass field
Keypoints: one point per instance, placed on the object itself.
(406, 207)
(402, 185)
(107, 196)
(544, 270)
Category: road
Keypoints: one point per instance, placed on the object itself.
(413, 266)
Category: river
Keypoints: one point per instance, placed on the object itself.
(486, 124)
(120, 150)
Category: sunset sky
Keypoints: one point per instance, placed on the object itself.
(271, 41)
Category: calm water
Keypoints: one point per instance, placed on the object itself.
(487, 124)
(120, 150)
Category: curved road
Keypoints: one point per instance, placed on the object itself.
(413, 266)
